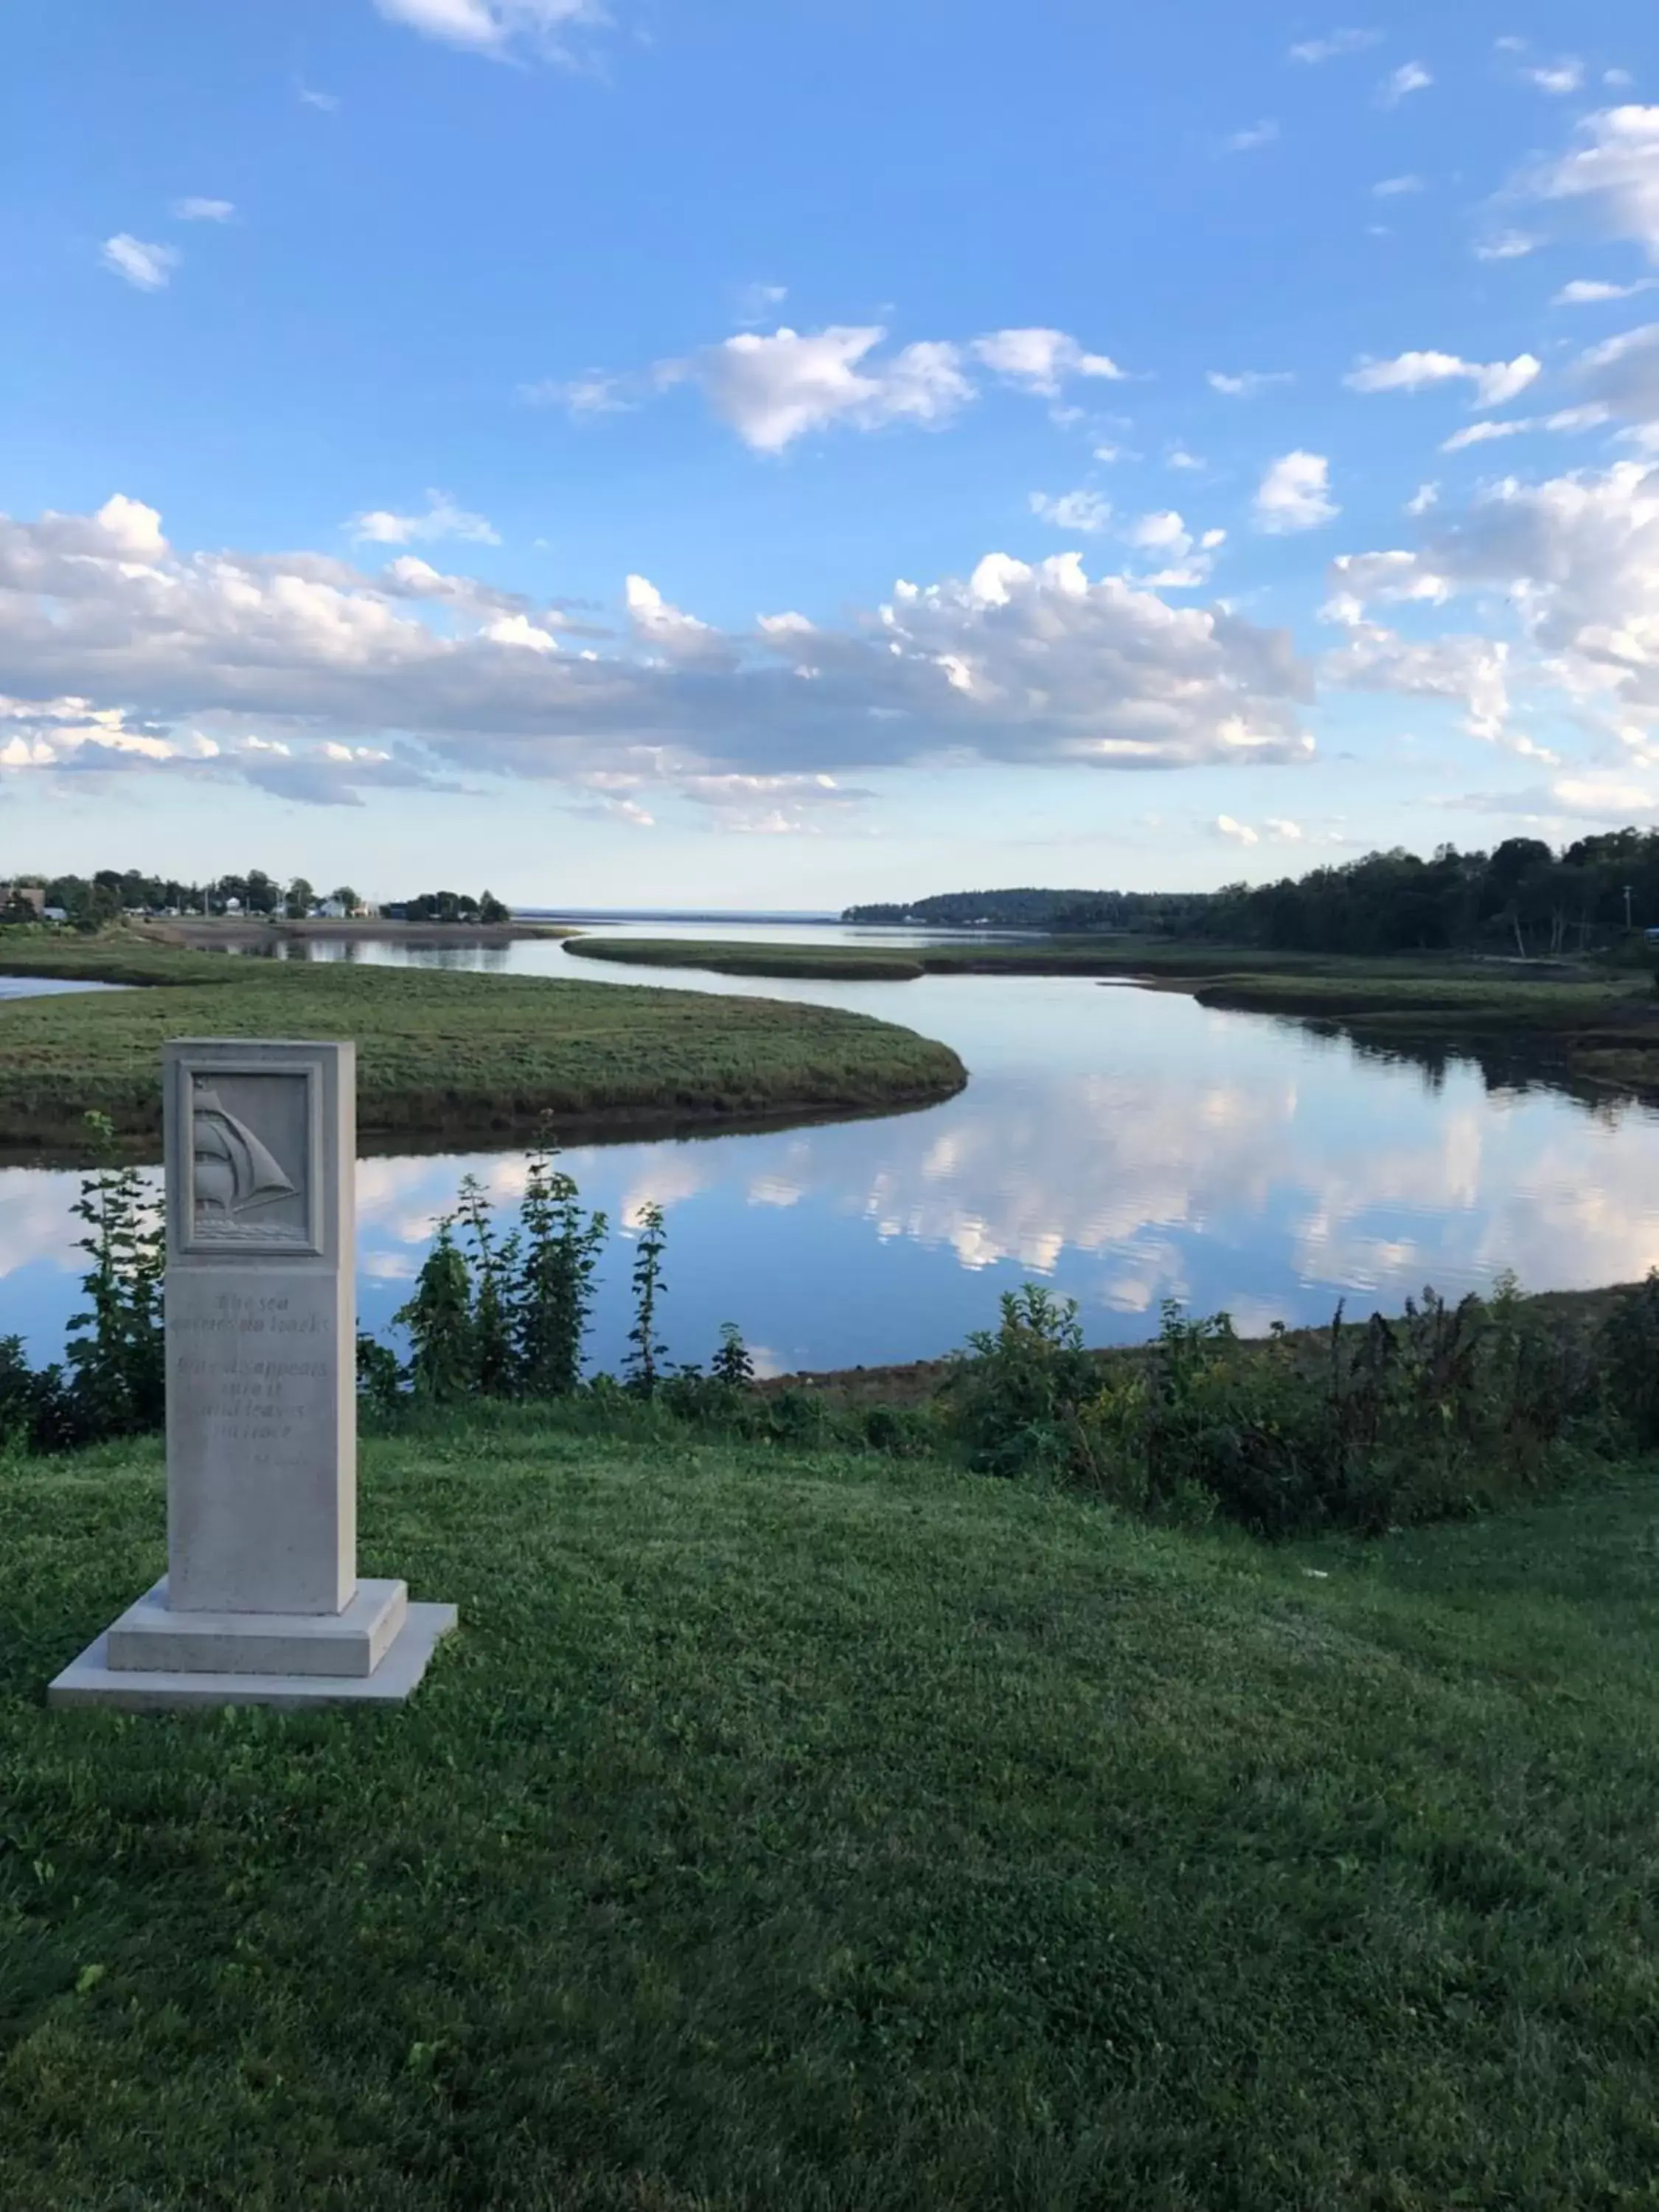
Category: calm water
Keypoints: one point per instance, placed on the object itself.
(1124, 1147)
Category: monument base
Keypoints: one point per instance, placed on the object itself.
(92, 1681)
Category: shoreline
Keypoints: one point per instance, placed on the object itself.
(1592, 1033)
(195, 933)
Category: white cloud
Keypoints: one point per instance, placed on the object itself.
(1506, 246)
(1179, 457)
(220, 659)
(327, 101)
(1312, 51)
(1073, 510)
(1576, 558)
(756, 302)
(1164, 532)
(1423, 499)
(595, 393)
(1391, 188)
(774, 390)
(195, 211)
(1276, 830)
(679, 638)
(1247, 383)
(1614, 173)
(1295, 494)
(1041, 360)
(1495, 382)
(1409, 77)
(1248, 140)
(147, 266)
(442, 519)
(1623, 372)
(1557, 78)
(1564, 419)
(1590, 291)
(494, 27)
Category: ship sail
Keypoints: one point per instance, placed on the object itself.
(256, 1178)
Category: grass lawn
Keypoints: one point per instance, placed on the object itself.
(805, 1832)
(444, 1055)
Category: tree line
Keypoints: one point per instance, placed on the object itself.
(92, 901)
(1037, 909)
(1521, 897)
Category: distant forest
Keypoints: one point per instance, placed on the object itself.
(1520, 897)
(1039, 909)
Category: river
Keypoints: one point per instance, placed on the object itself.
(1122, 1146)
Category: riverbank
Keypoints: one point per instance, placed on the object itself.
(789, 1828)
(445, 1057)
(1593, 1031)
(225, 933)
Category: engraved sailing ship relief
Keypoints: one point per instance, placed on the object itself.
(239, 1188)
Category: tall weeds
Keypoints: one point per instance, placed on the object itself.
(1447, 1409)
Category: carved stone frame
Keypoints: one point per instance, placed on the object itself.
(215, 1061)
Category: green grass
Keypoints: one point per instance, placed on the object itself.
(443, 1056)
(837, 1835)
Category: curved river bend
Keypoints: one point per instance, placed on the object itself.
(1124, 1147)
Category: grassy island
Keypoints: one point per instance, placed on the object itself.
(1589, 1029)
(789, 1828)
(444, 1056)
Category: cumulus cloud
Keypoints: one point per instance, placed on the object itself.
(1294, 494)
(1495, 382)
(1576, 558)
(1394, 188)
(496, 28)
(268, 660)
(1041, 360)
(1409, 77)
(195, 211)
(1564, 419)
(442, 519)
(1312, 51)
(772, 389)
(1073, 510)
(147, 266)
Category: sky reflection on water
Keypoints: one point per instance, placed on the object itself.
(1125, 1146)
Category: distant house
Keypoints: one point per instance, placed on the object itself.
(32, 894)
(330, 909)
(54, 914)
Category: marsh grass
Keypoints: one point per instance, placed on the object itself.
(443, 1054)
(783, 1829)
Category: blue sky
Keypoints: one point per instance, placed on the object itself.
(786, 454)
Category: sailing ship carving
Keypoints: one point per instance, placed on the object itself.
(234, 1175)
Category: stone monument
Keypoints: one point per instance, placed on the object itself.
(261, 1603)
